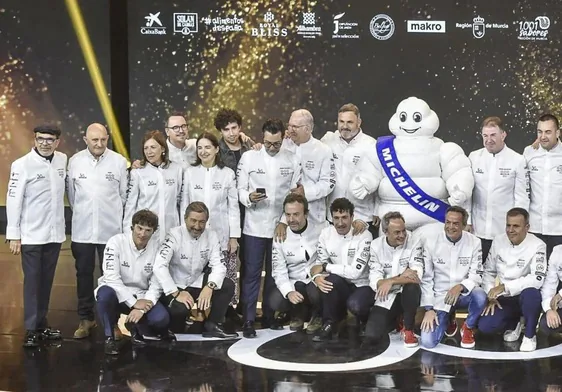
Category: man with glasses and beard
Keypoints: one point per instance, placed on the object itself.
(35, 212)
(265, 178)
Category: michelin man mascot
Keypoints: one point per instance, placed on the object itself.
(414, 172)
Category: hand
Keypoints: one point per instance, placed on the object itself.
(204, 300)
(553, 388)
(143, 304)
(136, 164)
(280, 232)
(491, 307)
(411, 275)
(359, 227)
(383, 288)
(257, 146)
(245, 138)
(295, 297)
(299, 190)
(323, 284)
(555, 301)
(15, 247)
(469, 229)
(136, 386)
(495, 292)
(552, 319)
(376, 221)
(536, 144)
(134, 316)
(185, 298)
(255, 197)
(232, 245)
(453, 294)
(429, 321)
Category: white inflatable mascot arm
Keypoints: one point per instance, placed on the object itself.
(457, 174)
(368, 176)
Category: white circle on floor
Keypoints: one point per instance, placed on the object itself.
(445, 349)
(245, 352)
(197, 337)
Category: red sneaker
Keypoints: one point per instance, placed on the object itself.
(410, 340)
(399, 324)
(452, 329)
(467, 337)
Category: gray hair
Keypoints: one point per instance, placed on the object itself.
(388, 217)
(307, 116)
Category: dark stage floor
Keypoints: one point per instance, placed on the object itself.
(281, 361)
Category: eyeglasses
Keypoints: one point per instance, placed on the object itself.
(294, 127)
(176, 128)
(269, 145)
(45, 140)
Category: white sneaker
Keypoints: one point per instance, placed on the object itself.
(513, 335)
(528, 344)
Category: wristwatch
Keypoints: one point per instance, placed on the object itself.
(212, 285)
(324, 267)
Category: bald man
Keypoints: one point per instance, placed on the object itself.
(96, 187)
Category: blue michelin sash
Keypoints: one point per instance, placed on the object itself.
(404, 184)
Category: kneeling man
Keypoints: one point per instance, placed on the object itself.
(453, 274)
(292, 260)
(128, 284)
(518, 259)
(180, 269)
(395, 272)
(551, 297)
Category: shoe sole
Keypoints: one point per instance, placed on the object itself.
(468, 345)
(210, 335)
(411, 345)
(297, 328)
(450, 335)
(511, 339)
(311, 331)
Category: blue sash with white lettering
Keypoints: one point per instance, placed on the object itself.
(404, 184)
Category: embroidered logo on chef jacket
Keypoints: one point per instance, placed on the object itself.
(82, 176)
(285, 171)
(520, 263)
(197, 186)
(356, 159)
(260, 171)
(333, 255)
(125, 264)
(151, 183)
(40, 176)
(440, 261)
(534, 169)
(464, 261)
(61, 173)
(559, 169)
(350, 252)
(505, 172)
(183, 257)
(148, 268)
(204, 253)
(170, 181)
(387, 265)
(290, 254)
(479, 171)
(217, 186)
(109, 176)
(309, 165)
(403, 261)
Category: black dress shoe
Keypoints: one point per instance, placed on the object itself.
(325, 333)
(279, 321)
(214, 330)
(234, 317)
(248, 330)
(110, 346)
(49, 334)
(136, 338)
(31, 339)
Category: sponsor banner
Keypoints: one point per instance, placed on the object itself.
(480, 27)
(425, 26)
(308, 27)
(153, 25)
(534, 30)
(382, 27)
(186, 23)
(344, 29)
(228, 24)
(269, 27)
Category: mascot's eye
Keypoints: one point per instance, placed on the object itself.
(403, 116)
(417, 117)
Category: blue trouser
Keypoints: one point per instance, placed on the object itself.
(526, 304)
(255, 250)
(109, 309)
(475, 302)
(546, 329)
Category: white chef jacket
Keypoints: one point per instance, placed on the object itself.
(35, 199)
(289, 259)
(216, 188)
(182, 259)
(500, 183)
(159, 190)
(553, 277)
(517, 266)
(346, 157)
(318, 178)
(347, 255)
(387, 262)
(545, 176)
(447, 264)
(184, 156)
(278, 175)
(128, 270)
(97, 192)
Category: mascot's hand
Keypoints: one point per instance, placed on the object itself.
(457, 197)
(357, 188)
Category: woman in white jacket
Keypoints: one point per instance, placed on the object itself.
(155, 185)
(208, 180)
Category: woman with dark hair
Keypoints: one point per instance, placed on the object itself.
(209, 181)
(155, 185)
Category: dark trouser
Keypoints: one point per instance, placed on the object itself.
(311, 295)
(85, 256)
(382, 320)
(546, 329)
(39, 263)
(526, 304)
(551, 241)
(345, 296)
(241, 250)
(255, 248)
(156, 320)
(486, 245)
(179, 313)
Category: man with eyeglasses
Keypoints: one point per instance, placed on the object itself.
(265, 178)
(183, 151)
(317, 162)
(35, 212)
(97, 192)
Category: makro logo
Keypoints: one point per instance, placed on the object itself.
(534, 30)
(153, 25)
(426, 26)
(269, 28)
